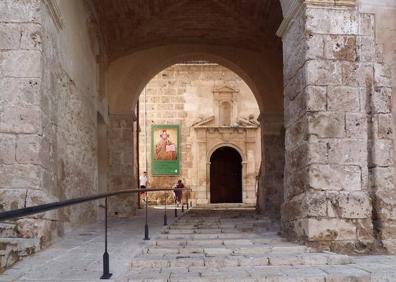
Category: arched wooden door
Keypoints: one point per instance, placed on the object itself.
(226, 176)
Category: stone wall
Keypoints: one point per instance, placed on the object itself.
(121, 164)
(47, 119)
(183, 94)
(336, 88)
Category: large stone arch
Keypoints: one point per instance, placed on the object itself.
(128, 75)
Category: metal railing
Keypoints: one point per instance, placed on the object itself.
(17, 213)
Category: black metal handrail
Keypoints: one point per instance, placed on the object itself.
(17, 213)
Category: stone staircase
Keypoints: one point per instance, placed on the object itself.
(12, 247)
(234, 245)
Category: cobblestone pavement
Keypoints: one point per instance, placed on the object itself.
(203, 245)
(238, 245)
(78, 255)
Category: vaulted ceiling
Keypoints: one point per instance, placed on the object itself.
(130, 25)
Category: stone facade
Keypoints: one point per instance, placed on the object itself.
(191, 95)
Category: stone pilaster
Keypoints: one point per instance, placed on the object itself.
(270, 190)
(121, 174)
(328, 202)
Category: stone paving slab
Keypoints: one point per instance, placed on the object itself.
(78, 255)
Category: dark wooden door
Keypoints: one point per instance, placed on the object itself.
(225, 176)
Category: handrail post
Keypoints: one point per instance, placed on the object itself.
(188, 206)
(182, 206)
(139, 204)
(106, 259)
(146, 227)
(175, 207)
(165, 217)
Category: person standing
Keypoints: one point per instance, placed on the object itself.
(178, 193)
(143, 182)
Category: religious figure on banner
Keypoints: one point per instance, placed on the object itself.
(165, 149)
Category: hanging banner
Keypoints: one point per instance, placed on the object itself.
(165, 151)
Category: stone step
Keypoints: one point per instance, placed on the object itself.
(14, 249)
(230, 224)
(184, 236)
(254, 273)
(221, 257)
(222, 249)
(202, 242)
(8, 230)
(204, 246)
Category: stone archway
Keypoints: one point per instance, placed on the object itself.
(225, 176)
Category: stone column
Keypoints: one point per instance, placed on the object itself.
(329, 66)
(121, 175)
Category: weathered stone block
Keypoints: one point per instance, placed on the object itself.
(341, 48)
(381, 152)
(7, 148)
(316, 99)
(385, 126)
(315, 46)
(20, 91)
(331, 21)
(20, 11)
(16, 119)
(326, 124)
(314, 204)
(366, 49)
(381, 178)
(350, 205)
(295, 183)
(295, 85)
(365, 232)
(357, 74)
(9, 36)
(21, 63)
(366, 24)
(20, 176)
(36, 197)
(294, 109)
(12, 199)
(381, 100)
(382, 75)
(342, 98)
(356, 125)
(32, 149)
(296, 133)
(328, 229)
(334, 177)
(322, 73)
(348, 151)
(31, 37)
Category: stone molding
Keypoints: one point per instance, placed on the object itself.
(55, 13)
(294, 8)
